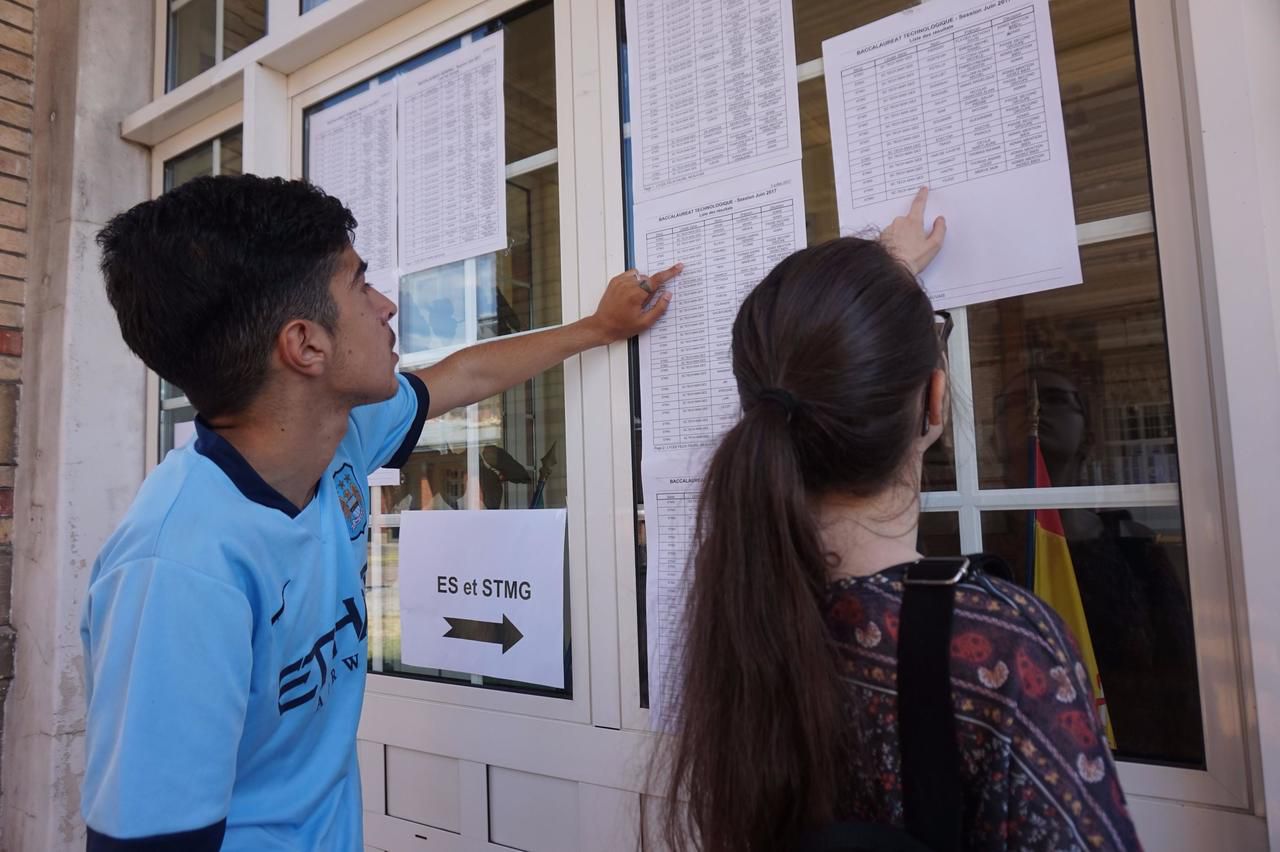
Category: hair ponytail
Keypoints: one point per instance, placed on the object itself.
(831, 353)
(760, 699)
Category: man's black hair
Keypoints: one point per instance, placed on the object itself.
(203, 278)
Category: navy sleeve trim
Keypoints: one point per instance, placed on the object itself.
(207, 839)
(415, 429)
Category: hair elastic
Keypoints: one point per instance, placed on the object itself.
(782, 397)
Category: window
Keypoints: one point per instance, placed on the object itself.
(223, 155)
(507, 452)
(1093, 359)
(202, 33)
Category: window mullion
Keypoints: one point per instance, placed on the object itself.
(219, 30)
(963, 429)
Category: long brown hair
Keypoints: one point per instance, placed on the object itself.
(832, 354)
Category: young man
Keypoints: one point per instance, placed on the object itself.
(224, 629)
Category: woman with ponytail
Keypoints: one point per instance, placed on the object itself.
(787, 718)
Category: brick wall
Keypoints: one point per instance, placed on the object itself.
(17, 70)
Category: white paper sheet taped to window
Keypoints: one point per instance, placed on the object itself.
(482, 592)
(713, 91)
(453, 177)
(961, 97)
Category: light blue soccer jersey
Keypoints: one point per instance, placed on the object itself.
(225, 639)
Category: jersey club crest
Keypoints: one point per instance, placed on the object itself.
(351, 499)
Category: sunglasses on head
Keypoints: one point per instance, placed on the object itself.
(943, 324)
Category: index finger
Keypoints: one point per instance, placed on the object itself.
(918, 203)
(660, 278)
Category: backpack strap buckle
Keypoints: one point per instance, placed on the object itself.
(936, 571)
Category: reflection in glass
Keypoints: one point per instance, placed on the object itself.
(192, 39)
(433, 304)
(170, 424)
(493, 295)
(231, 153)
(1093, 360)
(1131, 567)
(243, 23)
(198, 162)
(939, 473)
(529, 272)
(225, 158)
(505, 453)
(529, 82)
(819, 20)
(939, 534)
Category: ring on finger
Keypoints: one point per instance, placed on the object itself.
(643, 282)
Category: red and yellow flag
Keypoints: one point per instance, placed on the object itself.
(1055, 583)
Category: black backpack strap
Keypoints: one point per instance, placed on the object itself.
(933, 803)
(860, 837)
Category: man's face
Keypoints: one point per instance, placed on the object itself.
(1062, 427)
(364, 354)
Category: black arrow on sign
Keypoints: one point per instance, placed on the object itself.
(505, 634)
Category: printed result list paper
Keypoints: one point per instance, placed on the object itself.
(453, 197)
(961, 97)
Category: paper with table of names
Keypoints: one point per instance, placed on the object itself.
(671, 492)
(453, 201)
(961, 97)
(352, 156)
(728, 236)
(713, 90)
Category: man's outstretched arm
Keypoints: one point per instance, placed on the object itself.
(631, 304)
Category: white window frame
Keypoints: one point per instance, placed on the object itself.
(276, 16)
(1225, 782)
(369, 56)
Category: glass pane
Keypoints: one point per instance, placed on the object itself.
(198, 162)
(308, 5)
(192, 41)
(816, 164)
(243, 23)
(507, 452)
(177, 426)
(231, 156)
(939, 472)
(1101, 108)
(819, 20)
(1097, 76)
(939, 534)
(1094, 357)
(1131, 568)
(529, 83)
(527, 292)
(509, 292)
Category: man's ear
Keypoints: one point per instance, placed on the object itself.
(304, 347)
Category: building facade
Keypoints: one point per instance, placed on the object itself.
(1162, 369)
